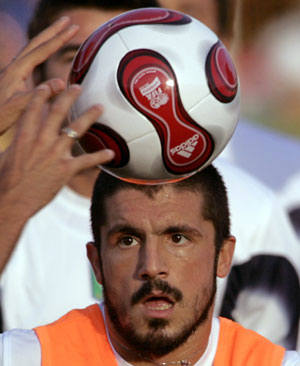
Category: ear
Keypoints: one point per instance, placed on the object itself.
(93, 256)
(225, 257)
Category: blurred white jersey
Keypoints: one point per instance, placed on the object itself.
(290, 198)
(268, 155)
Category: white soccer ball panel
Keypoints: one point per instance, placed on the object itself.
(219, 119)
(145, 162)
(100, 86)
(186, 54)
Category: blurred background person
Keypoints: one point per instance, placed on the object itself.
(290, 197)
(270, 155)
(275, 54)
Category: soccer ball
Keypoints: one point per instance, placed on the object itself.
(169, 90)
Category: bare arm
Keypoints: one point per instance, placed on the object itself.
(39, 161)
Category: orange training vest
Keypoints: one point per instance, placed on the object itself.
(79, 339)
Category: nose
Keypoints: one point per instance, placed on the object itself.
(152, 261)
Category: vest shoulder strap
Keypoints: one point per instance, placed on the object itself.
(239, 346)
(78, 339)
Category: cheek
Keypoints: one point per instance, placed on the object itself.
(118, 272)
(56, 69)
(196, 273)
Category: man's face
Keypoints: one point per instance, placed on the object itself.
(59, 64)
(158, 267)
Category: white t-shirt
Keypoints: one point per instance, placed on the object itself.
(22, 347)
(49, 274)
(263, 284)
(268, 155)
(290, 198)
(290, 194)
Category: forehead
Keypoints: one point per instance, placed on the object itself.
(167, 206)
(204, 10)
(88, 19)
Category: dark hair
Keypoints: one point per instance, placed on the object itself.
(225, 17)
(208, 182)
(253, 14)
(47, 10)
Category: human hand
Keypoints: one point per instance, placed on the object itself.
(15, 79)
(39, 161)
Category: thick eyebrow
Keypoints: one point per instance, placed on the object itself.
(185, 229)
(67, 48)
(125, 229)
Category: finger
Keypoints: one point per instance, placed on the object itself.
(48, 33)
(82, 124)
(56, 86)
(24, 65)
(16, 73)
(31, 119)
(59, 110)
(87, 161)
(11, 111)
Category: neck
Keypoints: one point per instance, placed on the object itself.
(185, 355)
(188, 357)
(83, 182)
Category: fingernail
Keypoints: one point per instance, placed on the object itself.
(63, 19)
(75, 87)
(57, 85)
(73, 27)
(43, 87)
(111, 154)
(98, 107)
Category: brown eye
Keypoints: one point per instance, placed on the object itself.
(127, 241)
(179, 239)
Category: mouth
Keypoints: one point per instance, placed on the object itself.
(158, 305)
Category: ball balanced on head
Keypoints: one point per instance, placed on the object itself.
(169, 90)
